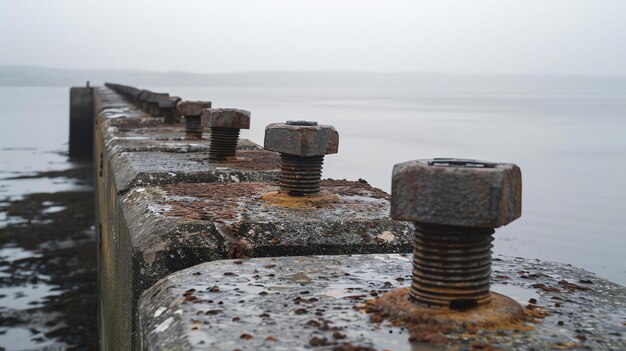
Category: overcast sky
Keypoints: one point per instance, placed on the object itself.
(465, 36)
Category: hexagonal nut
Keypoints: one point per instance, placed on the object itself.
(154, 98)
(192, 108)
(456, 192)
(170, 102)
(226, 118)
(301, 140)
(143, 95)
(137, 94)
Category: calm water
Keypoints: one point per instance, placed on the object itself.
(570, 144)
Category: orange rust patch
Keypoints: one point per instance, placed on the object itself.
(218, 201)
(432, 325)
(534, 312)
(222, 197)
(324, 200)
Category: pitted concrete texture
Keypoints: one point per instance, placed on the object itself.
(163, 229)
(168, 228)
(219, 220)
(178, 225)
(303, 303)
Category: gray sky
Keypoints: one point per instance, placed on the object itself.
(477, 36)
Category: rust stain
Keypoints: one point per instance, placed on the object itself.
(436, 325)
(239, 249)
(324, 200)
(219, 201)
(222, 196)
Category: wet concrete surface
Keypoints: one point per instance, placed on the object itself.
(48, 265)
(324, 303)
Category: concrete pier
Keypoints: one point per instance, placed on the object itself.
(201, 254)
(163, 207)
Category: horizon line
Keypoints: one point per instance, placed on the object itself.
(495, 74)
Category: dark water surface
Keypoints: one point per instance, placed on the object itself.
(570, 144)
(47, 248)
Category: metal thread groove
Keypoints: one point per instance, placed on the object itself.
(170, 115)
(223, 143)
(451, 266)
(154, 109)
(193, 126)
(300, 175)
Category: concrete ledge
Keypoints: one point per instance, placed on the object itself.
(303, 303)
(172, 227)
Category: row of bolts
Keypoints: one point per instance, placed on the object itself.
(451, 265)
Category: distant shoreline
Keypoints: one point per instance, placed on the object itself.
(30, 76)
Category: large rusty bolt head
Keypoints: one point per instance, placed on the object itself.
(456, 192)
(169, 102)
(192, 108)
(226, 118)
(301, 138)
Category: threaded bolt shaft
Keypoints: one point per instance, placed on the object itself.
(170, 115)
(300, 175)
(193, 127)
(155, 111)
(223, 143)
(451, 266)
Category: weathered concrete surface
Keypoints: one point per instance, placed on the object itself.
(220, 220)
(298, 303)
(145, 169)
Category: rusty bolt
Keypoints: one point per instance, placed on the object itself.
(225, 124)
(145, 105)
(141, 98)
(302, 146)
(455, 204)
(168, 109)
(192, 110)
(153, 100)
